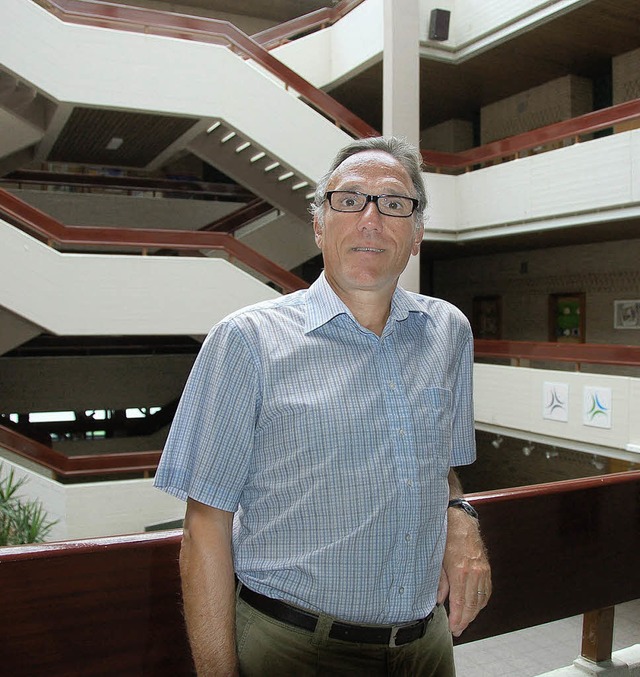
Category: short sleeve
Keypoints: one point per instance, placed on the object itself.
(210, 444)
(463, 427)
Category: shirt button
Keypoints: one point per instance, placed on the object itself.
(409, 483)
(401, 432)
(400, 591)
(392, 386)
(407, 537)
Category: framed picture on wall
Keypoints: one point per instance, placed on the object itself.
(487, 317)
(567, 318)
(626, 314)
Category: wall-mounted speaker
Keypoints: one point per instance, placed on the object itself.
(439, 24)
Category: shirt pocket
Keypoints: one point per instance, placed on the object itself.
(434, 427)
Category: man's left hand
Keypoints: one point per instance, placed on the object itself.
(466, 574)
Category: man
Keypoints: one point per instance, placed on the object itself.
(328, 421)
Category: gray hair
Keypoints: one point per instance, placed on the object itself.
(404, 152)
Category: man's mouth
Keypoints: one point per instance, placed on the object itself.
(367, 249)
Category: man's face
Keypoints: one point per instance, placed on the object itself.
(367, 250)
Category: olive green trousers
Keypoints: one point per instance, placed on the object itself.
(270, 648)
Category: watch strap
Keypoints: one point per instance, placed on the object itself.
(462, 504)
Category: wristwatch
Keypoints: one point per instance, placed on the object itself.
(463, 505)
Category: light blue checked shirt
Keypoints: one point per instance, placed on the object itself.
(332, 445)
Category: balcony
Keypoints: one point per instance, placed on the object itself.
(111, 605)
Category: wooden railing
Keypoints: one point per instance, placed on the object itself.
(90, 466)
(112, 605)
(63, 237)
(577, 353)
(314, 21)
(239, 217)
(536, 140)
(187, 187)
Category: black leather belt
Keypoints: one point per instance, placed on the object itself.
(389, 635)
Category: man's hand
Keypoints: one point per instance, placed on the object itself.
(466, 575)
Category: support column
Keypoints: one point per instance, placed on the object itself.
(597, 634)
(401, 89)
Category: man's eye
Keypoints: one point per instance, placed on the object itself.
(393, 204)
(348, 202)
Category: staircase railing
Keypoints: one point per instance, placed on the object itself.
(578, 353)
(112, 605)
(534, 141)
(187, 187)
(63, 467)
(314, 21)
(61, 236)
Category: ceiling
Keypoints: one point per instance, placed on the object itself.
(85, 138)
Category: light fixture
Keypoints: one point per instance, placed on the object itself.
(549, 454)
(114, 143)
(497, 442)
(597, 463)
(528, 448)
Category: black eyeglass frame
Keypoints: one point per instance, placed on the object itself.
(374, 199)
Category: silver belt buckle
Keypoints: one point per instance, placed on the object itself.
(394, 633)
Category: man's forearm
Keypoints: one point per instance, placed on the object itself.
(208, 588)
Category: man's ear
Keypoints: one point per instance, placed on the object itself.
(317, 230)
(417, 241)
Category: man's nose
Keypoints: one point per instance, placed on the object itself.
(370, 217)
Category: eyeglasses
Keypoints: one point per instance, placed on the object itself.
(353, 201)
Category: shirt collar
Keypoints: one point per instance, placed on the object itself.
(323, 304)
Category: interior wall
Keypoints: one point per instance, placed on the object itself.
(516, 462)
(558, 100)
(605, 272)
(74, 383)
(626, 76)
(94, 509)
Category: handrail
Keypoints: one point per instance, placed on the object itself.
(230, 192)
(557, 550)
(313, 21)
(592, 353)
(239, 217)
(512, 146)
(564, 487)
(67, 467)
(111, 15)
(54, 232)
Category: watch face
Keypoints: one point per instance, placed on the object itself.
(468, 509)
